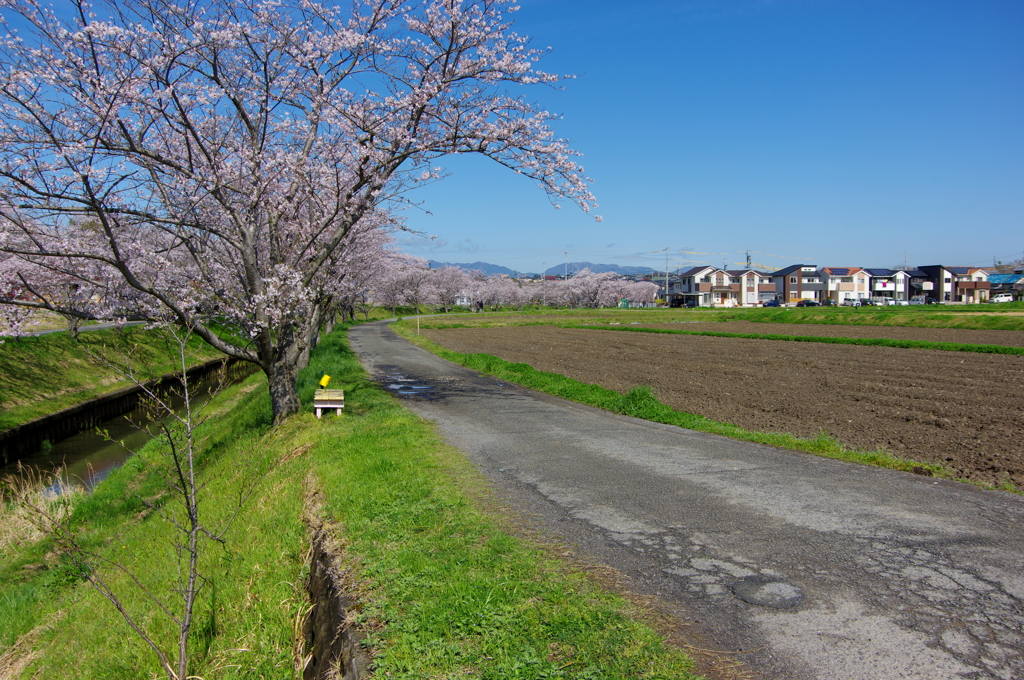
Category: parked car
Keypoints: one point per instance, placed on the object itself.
(808, 303)
(690, 304)
(771, 303)
(895, 302)
(828, 302)
(851, 302)
(1002, 297)
(867, 302)
(923, 300)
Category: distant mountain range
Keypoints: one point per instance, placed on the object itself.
(485, 267)
(596, 268)
(558, 270)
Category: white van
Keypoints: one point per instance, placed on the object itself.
(1002, 297)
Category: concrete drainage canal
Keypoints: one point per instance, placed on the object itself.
(71, 438)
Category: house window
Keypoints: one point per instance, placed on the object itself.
(706, 279)
(792, 279)
(846, 279)
(947, 279)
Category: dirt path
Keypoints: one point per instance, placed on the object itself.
(963, 410)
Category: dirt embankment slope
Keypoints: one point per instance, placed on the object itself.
(963, 410)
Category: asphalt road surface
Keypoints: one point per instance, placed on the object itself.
(799, 567)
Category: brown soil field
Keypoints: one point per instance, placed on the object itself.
(967, 336)
(960, 409)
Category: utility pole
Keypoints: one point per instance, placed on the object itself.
(544, 285)
(665, 250)
(566, 253)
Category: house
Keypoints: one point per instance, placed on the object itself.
(694, 285)
(889, 283)
(1005, 283)
(710, 286)
(798, 282)
(957, 284)
(918, 283)
(845, 283)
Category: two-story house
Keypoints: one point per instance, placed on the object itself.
(798, 282)
(889, 283)
(957, 284)
(710, 286)
(753, 288)
(845, 283)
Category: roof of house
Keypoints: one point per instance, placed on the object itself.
(1004, 279)
(880, 272)
(790, 269)
(840, 271)
(695, 270)
(743, 272)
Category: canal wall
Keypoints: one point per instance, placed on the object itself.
(28, 438)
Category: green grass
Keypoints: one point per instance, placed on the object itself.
(42, 375)
(870, 342)
(640, 402)
(447, 590)
(976, 317)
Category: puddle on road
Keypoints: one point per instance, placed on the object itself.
(396, 383)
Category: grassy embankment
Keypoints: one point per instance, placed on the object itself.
(1003, 316)
(640, 402)
(42, 375)
(445, 590)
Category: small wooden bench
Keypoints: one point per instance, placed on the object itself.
(326, 399)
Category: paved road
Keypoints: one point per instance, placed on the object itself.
(806, 568)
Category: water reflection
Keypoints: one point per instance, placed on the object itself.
(89, 456)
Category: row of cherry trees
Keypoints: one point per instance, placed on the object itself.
(409, 282)
(230, 164)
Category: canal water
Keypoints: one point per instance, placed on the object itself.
(91, 455)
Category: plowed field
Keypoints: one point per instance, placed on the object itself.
(963, 410)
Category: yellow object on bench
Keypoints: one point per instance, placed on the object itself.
(325, 399)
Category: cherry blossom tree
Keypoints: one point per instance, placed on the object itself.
(207, 163)
(639, 291)
(448, 283)
(589, 289)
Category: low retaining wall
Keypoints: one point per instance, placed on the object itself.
(28, 438)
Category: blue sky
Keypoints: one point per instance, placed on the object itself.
(837, 132)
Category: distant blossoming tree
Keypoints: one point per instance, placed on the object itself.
(207, 162)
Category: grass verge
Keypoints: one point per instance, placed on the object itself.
(447, 592)
(973, 317)
(640, 402)
(976, 317)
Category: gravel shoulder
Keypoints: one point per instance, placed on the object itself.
(962, 410)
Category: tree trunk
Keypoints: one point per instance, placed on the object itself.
(284, 396)
(284, 371)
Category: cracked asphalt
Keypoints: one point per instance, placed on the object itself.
(800, 567)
